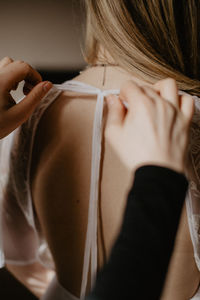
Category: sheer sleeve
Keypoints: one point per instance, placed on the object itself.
(193, 196)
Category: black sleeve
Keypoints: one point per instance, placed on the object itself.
(139, 260)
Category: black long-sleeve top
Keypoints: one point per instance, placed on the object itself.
(139, 259)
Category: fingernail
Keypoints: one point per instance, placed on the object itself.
(47, 86)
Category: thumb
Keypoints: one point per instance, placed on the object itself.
(116, 111)
(19, 113)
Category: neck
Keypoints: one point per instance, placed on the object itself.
(106, 74)
(107, 77)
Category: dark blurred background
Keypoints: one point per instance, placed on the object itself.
(49, 35)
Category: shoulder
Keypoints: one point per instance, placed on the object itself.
(62, 149)
(64, 126)
(67, 114)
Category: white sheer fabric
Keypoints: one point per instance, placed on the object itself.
(197, 296)
(193, 197)
(56, 292)
(21, 241)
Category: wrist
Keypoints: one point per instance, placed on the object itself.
(176, 166)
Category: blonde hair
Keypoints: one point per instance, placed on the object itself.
(152, 38)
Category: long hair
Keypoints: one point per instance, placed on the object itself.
(154, 39)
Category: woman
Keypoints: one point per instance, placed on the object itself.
(154, 204)
(58, 194)
(122, 126)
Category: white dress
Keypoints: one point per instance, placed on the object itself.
(24, 243)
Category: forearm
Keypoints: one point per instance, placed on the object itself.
(140, 257)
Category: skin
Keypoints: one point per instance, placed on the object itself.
(12, 73)
(60, 181)
(163, 145)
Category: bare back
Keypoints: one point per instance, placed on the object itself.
(60, 188)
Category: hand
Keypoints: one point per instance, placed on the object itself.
(154, 129)
(11, 73)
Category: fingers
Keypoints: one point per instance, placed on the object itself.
(116, 111)
(21, 111)
(152, 93)
(133, 95)
(187, 106)
(168, 90)
(16, 72)
(5, 61)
